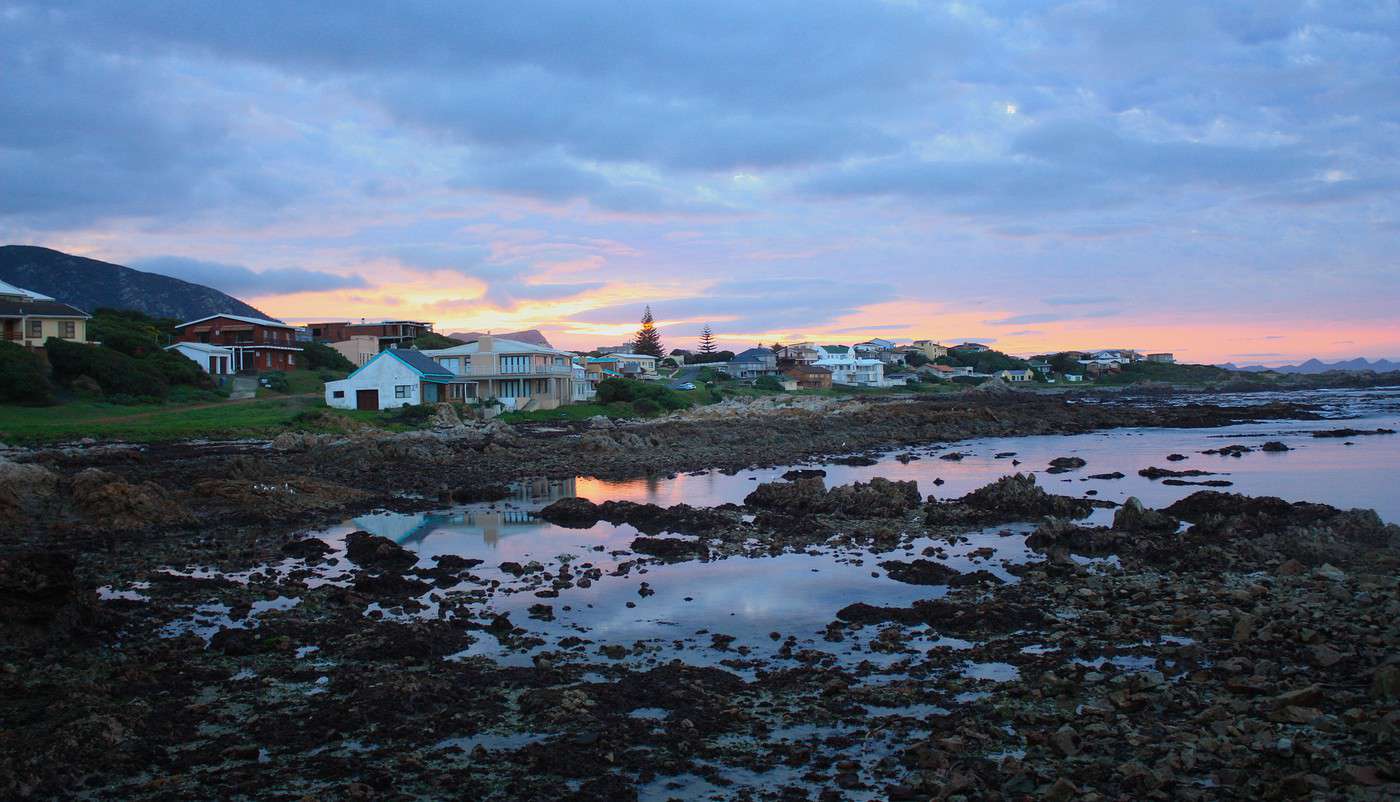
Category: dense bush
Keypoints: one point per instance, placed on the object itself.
(432, 340)
(115, 372)
(984, 361)
(631, 390)
(130, 332)
(646, 406)
(276, 381)
(768, 383)
(178, 369)
(320, 355)
(22, 379)
(411, 414)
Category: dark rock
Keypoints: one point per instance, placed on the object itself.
(1106, 476)
(804, 473)
(1229, 451)
(311, 549)
(1351, 432)
(952, 456)
(855, 462)
(389, 585)
(573, 513)
(1273, 446)
(670, 548)
(472, 494)
(1161, 473)
(1065, 464)
(1133, 517)
(1206, 483)
(1176, 457)
(374, 551)
(919, 572)
(1010, 498)
(234, 642)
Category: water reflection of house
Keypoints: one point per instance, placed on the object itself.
(491, 523)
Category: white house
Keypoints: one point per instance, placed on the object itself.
(215, 360)
(398, 377)
(849, 369)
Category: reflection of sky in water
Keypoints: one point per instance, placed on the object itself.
(1318, 469)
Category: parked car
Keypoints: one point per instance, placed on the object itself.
(686, 386)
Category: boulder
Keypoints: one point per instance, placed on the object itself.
(375, 551)
(116, 504)
(24, 490)
(574, 513)
(1010, 498)
(1065, 464)
(919, 572)
(671, 548)
(1133, 517)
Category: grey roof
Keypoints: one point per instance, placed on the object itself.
(420, 362)
(753, 354)
(39, 309)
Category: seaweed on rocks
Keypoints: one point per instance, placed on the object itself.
(1010, 498)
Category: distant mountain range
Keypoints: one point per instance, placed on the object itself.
(89, 284)
(1318, 366)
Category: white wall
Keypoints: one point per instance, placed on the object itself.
(383, 374)
(201, 358)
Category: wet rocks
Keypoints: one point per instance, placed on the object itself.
(575, 513)
(1274, 446)
(1010, 498)
(311, 549)
(670, 548)
(1133, 517)
(24, 490)
(1106, 476)
(40, 596)
(377, 552)
(116, 504)
(877, 498)
(858, 461)
(919, 572)
(1162, 473)
(580, 513)
(473, 494)
(1229, 451)
(1339, 433)
(803, 473)
(1065, 464)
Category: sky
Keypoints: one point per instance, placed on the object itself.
(1217, 179)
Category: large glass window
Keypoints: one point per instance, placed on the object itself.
(403, 391)
(515, 364)
(36, 329)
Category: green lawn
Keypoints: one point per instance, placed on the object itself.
(145, 423)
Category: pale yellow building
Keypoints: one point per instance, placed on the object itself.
(931, 349)
(28, 318)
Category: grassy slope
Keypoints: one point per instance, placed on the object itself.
(146, 423)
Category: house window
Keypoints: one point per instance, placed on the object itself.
(36, 329)
(337, 394)
(515, 364)
(291, 359)
(70, 329)
(403, 391)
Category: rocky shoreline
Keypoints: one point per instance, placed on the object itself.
(169, 633)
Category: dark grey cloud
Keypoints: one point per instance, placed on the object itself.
(242, 281)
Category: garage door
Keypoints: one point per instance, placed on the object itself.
(367, 399)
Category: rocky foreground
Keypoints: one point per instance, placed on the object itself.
(1224, 647)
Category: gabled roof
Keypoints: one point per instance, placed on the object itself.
(753, 354)
(208, 348)
(256, 321)
(420, 362)
(834, 349)
(40, 309)
(632, 356)
(10, 289)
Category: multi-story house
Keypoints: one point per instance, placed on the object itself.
(632, 366)
(849, 369)
(255, 344)
(1163, 358)
(930, 349)
(753, 363)
(519, 375)
(28, 318)
(387, 333)
(798, 354)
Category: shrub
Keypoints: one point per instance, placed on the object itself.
(610, 390)
(115, 372)
(320, 355)
(646, 406)
(412, 414)
(276, 381)
(768, 383)
(22, 379)
(178, 369)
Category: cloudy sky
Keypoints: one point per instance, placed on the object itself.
(1219, 179)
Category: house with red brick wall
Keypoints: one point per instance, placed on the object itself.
(257, 344)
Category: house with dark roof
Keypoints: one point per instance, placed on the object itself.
(753, 363)
(398, 377)
(29, 318)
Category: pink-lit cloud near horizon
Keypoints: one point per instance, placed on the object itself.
(1034, 176)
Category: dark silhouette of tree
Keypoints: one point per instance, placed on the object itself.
(648, 339)
(707, 340)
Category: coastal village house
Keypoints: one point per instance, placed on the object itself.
(848, 369)
(1165, 358)
(970, 348)
(798, 354)
(29, 318)
(520, 375)
(753, 363)
(810, 377)
(930, 349)
(1022, 375)
(216, 360)
(254, 344)
(397, 377)
(632, 366)
(359, 349)
(386, 333)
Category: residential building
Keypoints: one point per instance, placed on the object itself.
(584, 387)
(359, 349)
(849, 369)
(872, 349)
(387, 333)
(257, 344)
(29, 318)
(1165, 359)
(1021, 375)
(945, 372)
(1042, 366)
(531, 336)
(597, 368)
(895, 358)
(899, 379)
(931, 349)
(215, 360)
(810, 377)
(633, 366)
(973, 348)
(398, 377)
(1074, 377)
(798, 354)
(753, 363)
(520, 375)
(614, 349)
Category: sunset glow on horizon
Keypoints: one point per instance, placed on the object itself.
(1037, 177)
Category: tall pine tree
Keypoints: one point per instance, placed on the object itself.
(648, 339)
(707, 340)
